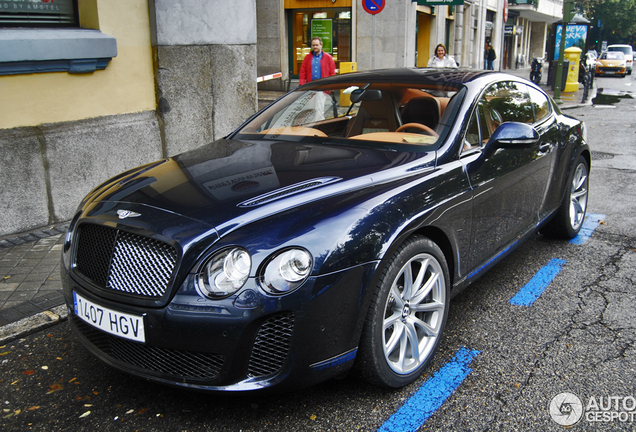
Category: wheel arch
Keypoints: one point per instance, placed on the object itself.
(437, 236)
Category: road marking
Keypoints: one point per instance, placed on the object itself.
(431, 395)
(535, 287)
(590, 223)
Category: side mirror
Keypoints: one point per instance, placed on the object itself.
(513, 135)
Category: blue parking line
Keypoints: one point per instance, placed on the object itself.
(431, 395)
(535, 287)
(590, 223)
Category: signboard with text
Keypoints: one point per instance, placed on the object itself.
(36, 11)
(440, 2)
(576, 36)
(322, 28)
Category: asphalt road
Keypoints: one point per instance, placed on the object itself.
(577, 338)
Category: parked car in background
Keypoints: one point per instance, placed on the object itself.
(611, 63)
(629, 55)
(328, 232)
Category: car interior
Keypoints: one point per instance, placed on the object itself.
(386, 113)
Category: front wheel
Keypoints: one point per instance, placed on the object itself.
(569, 217)
(407, 315)
(534, 77)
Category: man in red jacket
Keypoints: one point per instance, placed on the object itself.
(317, 64)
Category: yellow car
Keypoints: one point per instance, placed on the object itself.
(611, 63)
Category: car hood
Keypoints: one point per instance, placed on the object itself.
(612, 62)
(229, 183)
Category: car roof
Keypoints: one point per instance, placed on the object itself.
(409, 75)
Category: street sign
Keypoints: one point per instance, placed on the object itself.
(373, 6)
(440, 2)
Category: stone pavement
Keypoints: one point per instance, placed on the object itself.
(30, 289)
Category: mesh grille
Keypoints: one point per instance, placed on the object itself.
(271, 345)
(179, 364)
(125, 262)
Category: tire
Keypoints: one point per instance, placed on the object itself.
(569, 217)
(535, 78)
(410, 305)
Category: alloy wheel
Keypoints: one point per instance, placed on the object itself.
(414, 313)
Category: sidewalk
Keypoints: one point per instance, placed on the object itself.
(30, 290)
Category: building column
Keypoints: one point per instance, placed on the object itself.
(205, 68)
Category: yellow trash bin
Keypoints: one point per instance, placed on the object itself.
(346, 67)
(573, 54)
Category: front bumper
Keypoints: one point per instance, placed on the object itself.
(610, 70)
(279, 342)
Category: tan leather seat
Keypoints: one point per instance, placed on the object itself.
(375, 116)
(423, 110)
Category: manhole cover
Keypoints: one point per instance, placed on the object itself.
(600, 155)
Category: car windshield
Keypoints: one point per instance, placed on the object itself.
(613, 55)
(359, 114)
(623, 49)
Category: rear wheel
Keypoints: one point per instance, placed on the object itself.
(407, 315)
(569, 217)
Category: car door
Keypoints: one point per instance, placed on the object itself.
(509, 184)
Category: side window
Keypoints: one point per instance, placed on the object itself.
(478, 132)
(540, 104)
(471, 140)
(509, 101)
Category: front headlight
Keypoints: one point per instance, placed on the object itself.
(286, 271)
(224, 274)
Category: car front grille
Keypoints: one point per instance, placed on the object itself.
(175, 363)
(123, 261)
(271, 346)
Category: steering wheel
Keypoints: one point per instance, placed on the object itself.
(427, 130)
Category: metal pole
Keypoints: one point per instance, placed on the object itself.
(568, 5)
(373, 43)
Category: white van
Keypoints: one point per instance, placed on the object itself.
(629, 54)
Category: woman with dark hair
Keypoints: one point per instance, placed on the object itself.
(440, 59)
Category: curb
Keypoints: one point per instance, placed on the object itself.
(32, 324)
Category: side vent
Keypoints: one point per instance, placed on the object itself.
(271, 345)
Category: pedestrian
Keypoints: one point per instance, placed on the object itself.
(486, 49)
(441, 59)
(317, 64)
(491, 57)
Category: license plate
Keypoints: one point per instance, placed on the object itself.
(111, 321)
(610, 72)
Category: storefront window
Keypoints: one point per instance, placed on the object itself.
(332, 25)
(33, 13)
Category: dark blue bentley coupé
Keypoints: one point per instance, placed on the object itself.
(328, 232)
